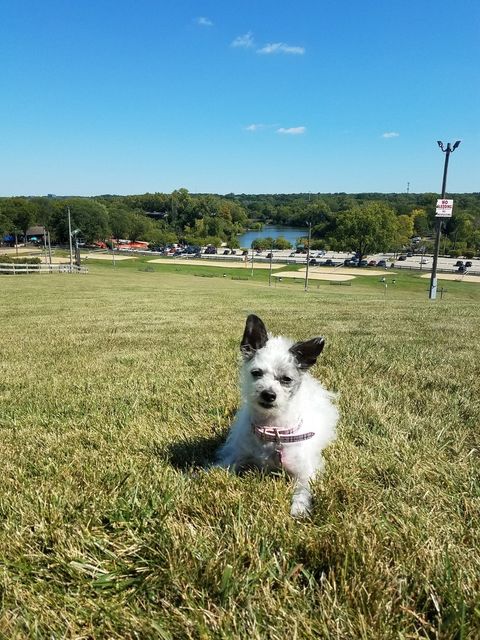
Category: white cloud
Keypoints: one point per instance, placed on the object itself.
(204, 22)
(245, 41)
(390, 134)
(281, 47)
(254, 127)
(292, 131)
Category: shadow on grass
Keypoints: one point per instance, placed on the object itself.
(194, 453)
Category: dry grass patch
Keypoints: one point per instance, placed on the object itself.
(116, 387)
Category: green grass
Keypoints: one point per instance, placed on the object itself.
(116, 386)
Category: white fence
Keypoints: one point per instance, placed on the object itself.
(16, 268)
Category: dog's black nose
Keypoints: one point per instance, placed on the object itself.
(268, 396)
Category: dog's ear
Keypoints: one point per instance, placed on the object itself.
(254, 337)
(306, 353)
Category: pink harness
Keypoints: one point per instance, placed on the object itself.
(281, 436)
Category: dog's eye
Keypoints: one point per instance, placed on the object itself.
(257, 373)
(285, 380)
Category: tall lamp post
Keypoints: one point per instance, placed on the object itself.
(308, 253)
(433, 280)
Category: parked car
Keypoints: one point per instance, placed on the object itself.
(293, 255)
(328, 263)
(363, 263)
(468, 263)
(382, 263)
(409, 254)
(372, 263)
(312, 261)
(423, 261)
(233, 252)
(320, 254)
(462, 269)
(210, 250)
(269, 255)
(402, 258)
(459, 263)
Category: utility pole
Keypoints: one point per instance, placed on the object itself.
(70, 239)
(49, 248)
(45, 245)
(308, 253)
(433, 280)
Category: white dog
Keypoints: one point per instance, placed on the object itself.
(287, 418)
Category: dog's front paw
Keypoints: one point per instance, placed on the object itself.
(301, 507)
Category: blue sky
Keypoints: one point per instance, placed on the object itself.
(125, 96)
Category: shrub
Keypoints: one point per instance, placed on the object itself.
(282, 243)
(15, 260)
(318, 244)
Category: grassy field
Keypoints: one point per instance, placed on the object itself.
(116, 386)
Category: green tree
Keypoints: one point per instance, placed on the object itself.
(6, 225)
(282, 243)
(404, 231)
(262, 243)
(87, 215)
(368, 228)
(421, 224)
(21, 211)
(140, 227)
(119, 222)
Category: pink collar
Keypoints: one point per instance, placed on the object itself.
(281, 436)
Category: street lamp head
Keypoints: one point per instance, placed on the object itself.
(440, 144)
(457, 144)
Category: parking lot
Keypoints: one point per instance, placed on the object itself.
(414, 262)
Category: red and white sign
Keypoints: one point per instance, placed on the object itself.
(444, 209)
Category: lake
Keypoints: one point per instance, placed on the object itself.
(271, 231)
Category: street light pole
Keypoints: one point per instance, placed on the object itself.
(433, 280)
(270, 271)
(308, 253)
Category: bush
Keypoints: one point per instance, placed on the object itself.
(15, 260)
(282, 243)
(316, 245)
(262, 243)
(469, 254)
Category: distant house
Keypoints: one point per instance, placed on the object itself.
(35, 233)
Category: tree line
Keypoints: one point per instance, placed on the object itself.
(355, 221)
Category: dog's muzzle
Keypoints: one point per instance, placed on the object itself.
(267, 398)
